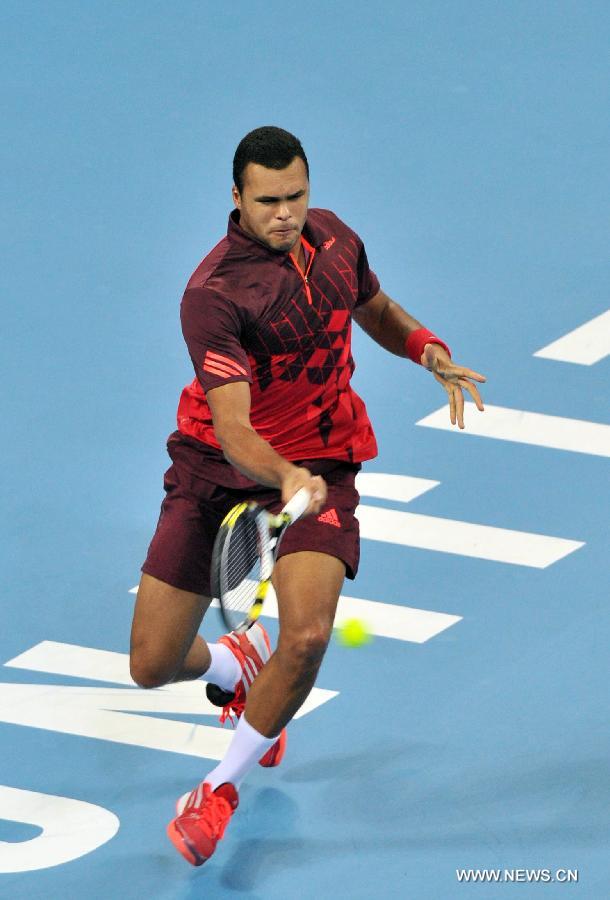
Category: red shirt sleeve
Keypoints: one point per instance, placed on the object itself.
(368, 283)
(212, 330)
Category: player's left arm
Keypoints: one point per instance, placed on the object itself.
(395, 330)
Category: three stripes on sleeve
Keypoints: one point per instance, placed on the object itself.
(222, 366)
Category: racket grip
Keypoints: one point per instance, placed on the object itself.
(297, 505)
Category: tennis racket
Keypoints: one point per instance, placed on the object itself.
(245, 550)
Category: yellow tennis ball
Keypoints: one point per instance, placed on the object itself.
(353, 633)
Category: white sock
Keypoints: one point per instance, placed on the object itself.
(245, 750)
(224, 669)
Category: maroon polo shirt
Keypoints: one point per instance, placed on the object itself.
(250, 314)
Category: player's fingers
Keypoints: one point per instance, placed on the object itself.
(474, 393)
(456, 400)
(459, 404)
(318, 488)
(470, 373)
(443, 379)
(449, 388)
(451, 405)
(452, 372)
(319, 492)
(300, 477)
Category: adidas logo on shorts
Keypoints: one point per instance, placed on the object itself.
(330, 517)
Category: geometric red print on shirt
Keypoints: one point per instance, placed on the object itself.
(330, 517)
(216, 364)
(313, 340)
(310, 342)
(248, 314)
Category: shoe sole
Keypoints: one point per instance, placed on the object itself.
(183, 846)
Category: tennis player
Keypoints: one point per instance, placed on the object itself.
(266, 317)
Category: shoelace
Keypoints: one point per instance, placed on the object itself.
(214, 811)
(235, 706)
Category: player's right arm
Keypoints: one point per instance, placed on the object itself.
(250, 453)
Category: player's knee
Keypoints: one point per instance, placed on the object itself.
(148, 672)
(305, 650)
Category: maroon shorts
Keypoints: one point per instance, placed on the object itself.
(181, 549)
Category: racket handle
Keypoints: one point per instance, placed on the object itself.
(297, 505)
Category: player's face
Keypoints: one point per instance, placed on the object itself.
(273, 203)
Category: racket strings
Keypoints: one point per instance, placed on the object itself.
(242, 564)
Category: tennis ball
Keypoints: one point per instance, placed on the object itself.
(353, 633)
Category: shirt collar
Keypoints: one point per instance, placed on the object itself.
(250, 244)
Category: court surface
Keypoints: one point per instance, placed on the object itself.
(468, 145)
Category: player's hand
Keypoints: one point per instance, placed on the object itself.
(455, 379)
(299, 477)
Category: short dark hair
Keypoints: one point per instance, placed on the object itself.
(268, 146)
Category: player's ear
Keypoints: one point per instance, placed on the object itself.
(236, 197)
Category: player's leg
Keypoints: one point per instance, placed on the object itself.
(315, 555)
(165, 645)
(174, 590)
(307, 585)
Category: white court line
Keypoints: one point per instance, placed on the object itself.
(402, 488)
(185, 697)
(75, 661)
(504, 424)
(403, 623)
(586, 345)
(449, 535)
(518, 548)
(122, 715)
(383, 619)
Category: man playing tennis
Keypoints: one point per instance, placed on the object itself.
(267, 320)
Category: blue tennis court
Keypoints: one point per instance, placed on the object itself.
(467, 144)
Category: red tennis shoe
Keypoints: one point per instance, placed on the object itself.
(251, 650)
(203, 816)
